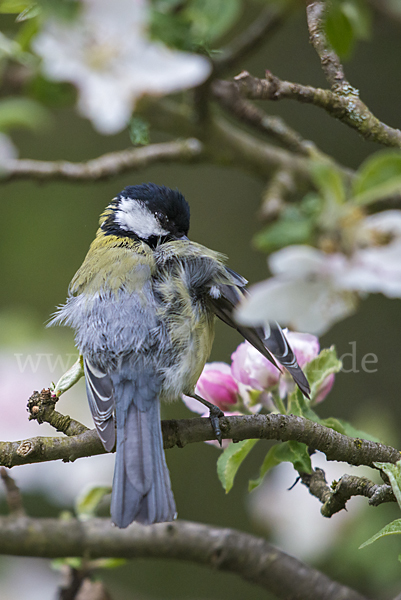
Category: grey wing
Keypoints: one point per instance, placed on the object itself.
(99, 389)
(270, 341)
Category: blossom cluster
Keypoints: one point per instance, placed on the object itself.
(251, 382)
(312, 289)
(107, 54)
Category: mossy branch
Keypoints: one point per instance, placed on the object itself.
(344, 105)
(334, 498)
(334, 445)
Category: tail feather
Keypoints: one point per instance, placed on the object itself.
(276, 342)
(141, 486)
(271, 342)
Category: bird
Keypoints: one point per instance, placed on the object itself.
(143, 306)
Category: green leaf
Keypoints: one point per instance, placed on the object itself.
(212, 18)
(292, 451)
(139, 131)
(108, 563)
(316, 371)
(359, 15)
(14, 6)
(193, 24)
(52, 93)
(31, 12)
(380, 192)
(22, 112)
(339, 30)
(26, 32)
(71, 561)
(378, 177)
(321, 367)
(58, 564)
(390, 529)
(347, 429)
(284, 233)
(67, 10)
(329, 181)
(230, 460)
(393, 472)
(87, 502)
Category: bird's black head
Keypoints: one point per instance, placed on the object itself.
(149, 212)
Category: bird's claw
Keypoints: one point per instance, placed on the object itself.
(214, 415)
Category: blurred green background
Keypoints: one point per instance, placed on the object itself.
(46, 230)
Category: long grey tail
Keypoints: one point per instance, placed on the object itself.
(141, 486)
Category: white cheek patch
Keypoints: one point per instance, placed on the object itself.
(134, 216)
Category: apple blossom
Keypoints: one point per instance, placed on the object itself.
(251, 368)
(216, 385)
(106, 54)
(311, 290)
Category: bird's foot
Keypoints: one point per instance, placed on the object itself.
(214, 415)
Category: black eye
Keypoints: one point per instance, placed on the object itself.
(162, 218)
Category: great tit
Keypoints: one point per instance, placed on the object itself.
(143, 306)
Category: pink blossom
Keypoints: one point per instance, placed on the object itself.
(252, 369)
(324, 389)
(216, 385)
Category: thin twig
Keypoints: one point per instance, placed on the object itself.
(108, 165)
(329, 60)
(229, 550)
(273, 199)
(334, 499)
(13, 494)
(41, 408)
(250, 114)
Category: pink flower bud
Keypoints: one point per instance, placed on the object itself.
(324, 389)
(251, 368)
(218, 387)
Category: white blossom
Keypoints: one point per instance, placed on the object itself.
(376, 265)
(107, 55)
(304, 293)
(311, 290)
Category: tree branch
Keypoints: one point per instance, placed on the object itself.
(108, 165)
(250, 114)
(278, 188)
(13, 494)
(250, 557)
(224, 143)
(335, 499)
(345, 106)
(329, 60)
(41, 408)
(186, 431)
